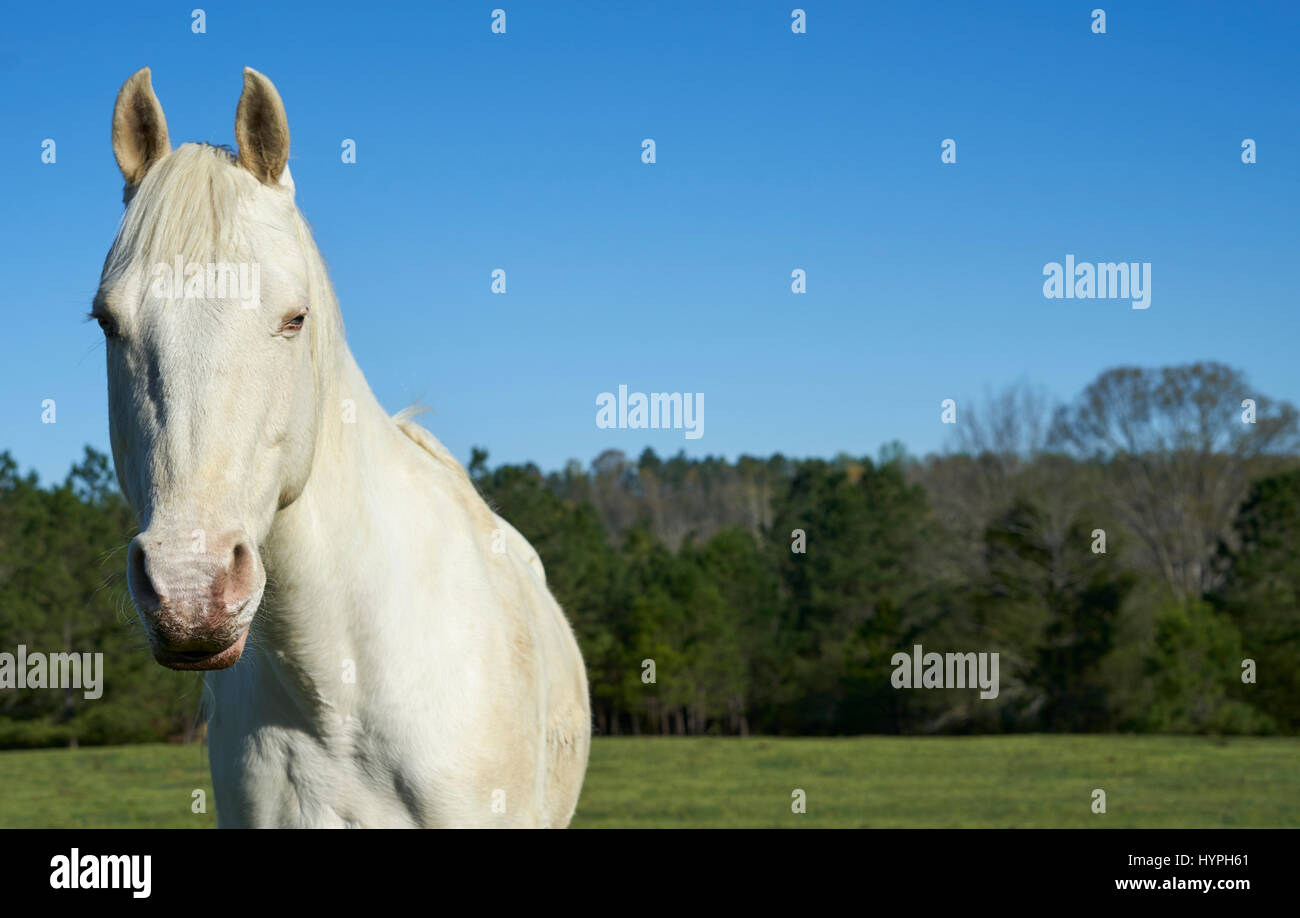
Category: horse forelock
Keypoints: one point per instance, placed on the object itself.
(188, 205)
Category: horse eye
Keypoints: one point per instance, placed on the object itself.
(106, 326)
(295, 324)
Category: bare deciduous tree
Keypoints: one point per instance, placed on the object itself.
(1179, 452)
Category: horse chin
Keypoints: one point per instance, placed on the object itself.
(188, 661)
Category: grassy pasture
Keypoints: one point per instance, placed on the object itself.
(875, 781)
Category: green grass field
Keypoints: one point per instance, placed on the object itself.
(1047, 781)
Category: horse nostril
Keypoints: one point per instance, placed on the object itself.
(242, 573)
(137, 579)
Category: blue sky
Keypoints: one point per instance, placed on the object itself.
(775, 151)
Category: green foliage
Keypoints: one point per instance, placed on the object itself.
(61, 561)
(845, 596)
(1261, 595)
(1053, 605)
(770, 596)
(1195, 664)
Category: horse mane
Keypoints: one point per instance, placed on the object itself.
(433, 446)
(189, 204)
(404, 419)
(186, 205)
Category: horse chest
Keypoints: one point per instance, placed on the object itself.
(278, 777)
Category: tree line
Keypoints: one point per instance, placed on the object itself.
(1131, 555)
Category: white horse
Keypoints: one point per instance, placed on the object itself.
(409, 666)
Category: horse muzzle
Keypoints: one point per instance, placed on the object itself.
(196, 602)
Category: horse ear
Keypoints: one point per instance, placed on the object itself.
(261, 128)
(139, 128)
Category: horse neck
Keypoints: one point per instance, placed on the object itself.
(314, 556)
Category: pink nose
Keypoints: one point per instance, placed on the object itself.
(190, 594)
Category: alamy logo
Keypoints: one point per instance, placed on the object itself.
(215, 280)
(54, 670)
(103, 871)
(638, 411)
(1106, 280)
(946, 670)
